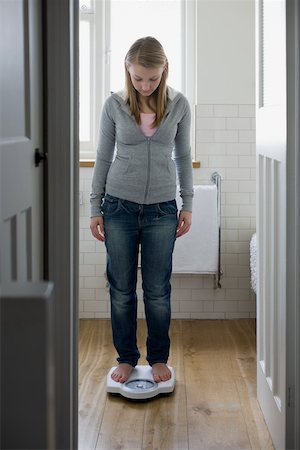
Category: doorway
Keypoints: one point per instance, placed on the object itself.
(95, 287)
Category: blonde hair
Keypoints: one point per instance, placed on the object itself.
(149, 53)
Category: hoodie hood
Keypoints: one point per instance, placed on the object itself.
(172, 94)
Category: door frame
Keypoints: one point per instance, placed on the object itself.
(293, 226)
(61, 140)
(61, 143)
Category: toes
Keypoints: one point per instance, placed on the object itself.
(161, 373)
(115, 376)
(122, 373)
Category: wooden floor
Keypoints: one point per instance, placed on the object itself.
(214, 404)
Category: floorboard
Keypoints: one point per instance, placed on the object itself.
(214, 404)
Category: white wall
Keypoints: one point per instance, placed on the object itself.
(226, 51)
(225, 142)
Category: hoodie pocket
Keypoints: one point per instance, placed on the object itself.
(118, 168)
(172, 168)
(122, 163)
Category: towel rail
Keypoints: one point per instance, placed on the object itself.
(199, 252)
(217, 178)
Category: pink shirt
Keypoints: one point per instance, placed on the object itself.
(146, 121)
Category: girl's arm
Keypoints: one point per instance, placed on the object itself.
(104, 158)
(183, 159)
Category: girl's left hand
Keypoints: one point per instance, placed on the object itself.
(184, 223)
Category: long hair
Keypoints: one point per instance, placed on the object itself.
(149, 53)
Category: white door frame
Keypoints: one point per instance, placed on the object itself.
(293, 226)
(61, 142)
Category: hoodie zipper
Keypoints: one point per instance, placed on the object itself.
(148, 170)
(148, 151)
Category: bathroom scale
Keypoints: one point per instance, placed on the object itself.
(140, 385)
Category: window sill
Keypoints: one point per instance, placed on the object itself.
(87, 163)
(91, 163)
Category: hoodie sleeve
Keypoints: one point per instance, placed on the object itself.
(183, 159)
(104, 158)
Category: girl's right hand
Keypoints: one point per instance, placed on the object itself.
(97, 228)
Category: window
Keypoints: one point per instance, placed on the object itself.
(86, 72)
(146, 18)
(107, 29)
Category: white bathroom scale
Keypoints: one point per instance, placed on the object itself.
(140, 385)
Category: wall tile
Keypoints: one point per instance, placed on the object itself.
(238, 222)
(211, 148)
(229, 306)
(238, 124)
(247, 211)
(245, 235)
(102, 315)
(229, 258)
(208, 306)
(238, 271)
(230, 235)
(87, 270)
(244, 283)
(225, 110)
(93, 282)
(94, 306)
(226, 136)
(230, 282)
(205, 110)
(247, 161)
(191, 306)
(237, 199)
(238, 148)
(223, 161)
(214, 123)
(191, 282)
(237, 247)
(241, 295)
(246, 111)
(247, 186)
(87, 315)
(238, 174)
(246, 136)
(229, 186)
(87, 294)
(238, 315)
(208, 315)
(204, 136)
(247, 306)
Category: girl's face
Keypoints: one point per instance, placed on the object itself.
(145, 80)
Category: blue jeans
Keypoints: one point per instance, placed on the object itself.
(129, 225)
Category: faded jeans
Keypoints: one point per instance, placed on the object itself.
(129, 225)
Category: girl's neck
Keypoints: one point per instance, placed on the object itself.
(147, 105)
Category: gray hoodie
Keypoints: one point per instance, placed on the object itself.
(137, 168)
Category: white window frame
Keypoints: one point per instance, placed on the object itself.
(99, 19)
(190, 65)
(89, 16)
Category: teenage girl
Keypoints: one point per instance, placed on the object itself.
(144, 143)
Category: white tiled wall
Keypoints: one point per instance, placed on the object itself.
(226, 143)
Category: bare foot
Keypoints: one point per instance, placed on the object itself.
(122, 372)
(161, 372)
